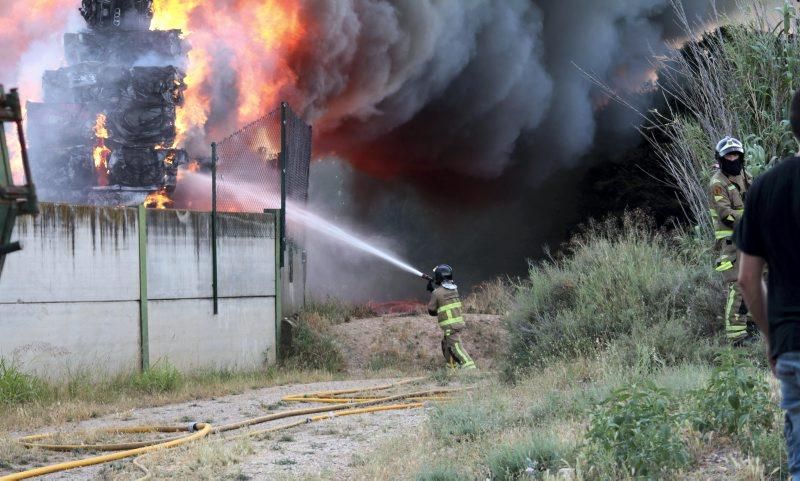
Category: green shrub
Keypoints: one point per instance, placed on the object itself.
(770, 447)
(312, 347)
(17, 387)
(622, 281)
(736, 399)
(537, 454)
(638, 428)
(467, 419)
(160, 378)
(438, 473)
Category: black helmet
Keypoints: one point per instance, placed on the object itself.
(442, 272)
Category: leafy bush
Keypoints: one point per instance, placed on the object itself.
(621, 281)
(638, 428)
(736, 399)
(539, 453)
(17, 387)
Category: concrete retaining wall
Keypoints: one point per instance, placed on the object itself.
(71, 299)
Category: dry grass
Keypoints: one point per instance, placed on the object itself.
(499, 416)
(491, 297)
(543, 417)
(208, 459)
(76, 401)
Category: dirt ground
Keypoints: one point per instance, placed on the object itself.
(413, 342)
(328, 449)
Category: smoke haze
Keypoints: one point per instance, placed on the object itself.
(459, 128)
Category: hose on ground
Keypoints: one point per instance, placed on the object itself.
(338, 403)
(203, 430)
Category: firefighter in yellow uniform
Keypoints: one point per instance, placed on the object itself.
(728, 188)
(446, 305)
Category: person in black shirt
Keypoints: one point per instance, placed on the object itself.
(769, 234)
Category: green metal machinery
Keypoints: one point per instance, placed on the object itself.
(14, 199)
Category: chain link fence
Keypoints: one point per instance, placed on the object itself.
(297, 146)
(265, 165)
(248, 167)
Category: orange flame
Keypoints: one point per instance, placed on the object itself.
(101, 153)
(261, 35)
(15, 154)
(193, 166)
(158, 200)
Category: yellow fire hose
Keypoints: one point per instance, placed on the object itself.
(337, 402)
(203, 431)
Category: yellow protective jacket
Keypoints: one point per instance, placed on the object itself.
(446, 305)
(727, 196)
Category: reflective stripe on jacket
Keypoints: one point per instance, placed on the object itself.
(445, 304)
(726, 204)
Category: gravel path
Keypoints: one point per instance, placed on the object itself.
(328, 448)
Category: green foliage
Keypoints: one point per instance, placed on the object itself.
(17, 387)
(313, 347)
(623, 284)
(736, 400)
(762, 73)
(539, 453)
(770, 447)
(737, 80)
(638, 428)
(162, 377)
(467, 419)
(438, 473)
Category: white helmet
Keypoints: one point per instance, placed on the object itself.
(729, 145)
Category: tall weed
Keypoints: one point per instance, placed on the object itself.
(17, 387)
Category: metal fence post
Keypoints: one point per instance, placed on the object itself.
(214, 226)
(283, 155)
(278, 307)
(144, 335)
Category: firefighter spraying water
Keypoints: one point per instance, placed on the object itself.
(445, 304)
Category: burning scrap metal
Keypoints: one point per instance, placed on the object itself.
(106, 133)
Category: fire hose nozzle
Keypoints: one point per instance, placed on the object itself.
(427, 277)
